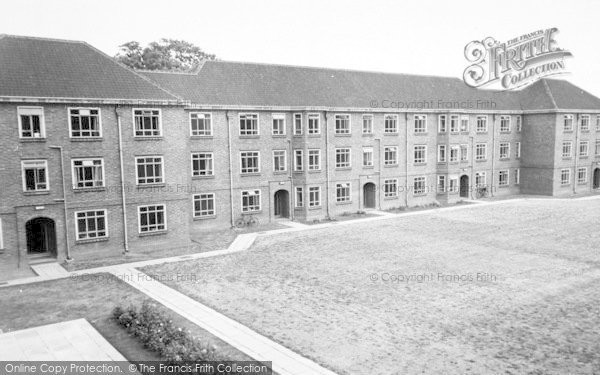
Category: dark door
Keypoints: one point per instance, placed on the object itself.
(41, 236)
(369, 195)
(597, 178)
(464, 186)
(282, 207)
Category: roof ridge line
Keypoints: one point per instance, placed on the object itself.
(42, 38)
(165, 72)
(549, 92)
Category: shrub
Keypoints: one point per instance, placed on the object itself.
(158, 333)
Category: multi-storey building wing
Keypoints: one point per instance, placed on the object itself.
(98, 159)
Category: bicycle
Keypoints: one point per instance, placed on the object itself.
(246, 221)
(481, 192)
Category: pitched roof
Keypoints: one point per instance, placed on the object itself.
(252, 84)
(50, 68)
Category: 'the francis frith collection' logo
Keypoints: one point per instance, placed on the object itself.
(516, 63)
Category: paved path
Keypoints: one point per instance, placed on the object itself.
(75, 340)
(51, 270)
(285, 361)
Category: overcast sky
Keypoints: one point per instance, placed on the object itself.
(421, 37)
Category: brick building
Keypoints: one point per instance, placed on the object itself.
(97, 158)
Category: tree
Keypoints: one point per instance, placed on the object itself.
(166, 54)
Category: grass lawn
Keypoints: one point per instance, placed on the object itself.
(48, 302)
(534, 309)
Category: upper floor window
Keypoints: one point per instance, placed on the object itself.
(201, 124)
(367, 122)
(565, 176)
(342, 124)
(598, 147)
(149, 170)
(441, 154)
(568, 123)
(442, 119)
(505, 124)
(152, 218)
(31, 122)
(85, 122)
(420, 123)
(250, 162)
(314, 196)
(464, 153)
(519, 120)
(298, 160)
(504, 150)
(35, 175)
(420, 154)
(390, 124)
(454, 153)
(598, 123)
(518, 150)
(279, 161)
(342, 158)
(584, 148)
(297, 123)
(278, 124)
(314, 160)
(480, 151)
(299, 196)
(204, 205)
(314, 126)
(249, 124)
(390, 155)
(454, 123)
(88, 173)
(585, 123)
(367, 156)
(482, 124)
(567, 149)
(91, 224)
(147, 123)
(464, 123)
(202, 164)
(250, 200)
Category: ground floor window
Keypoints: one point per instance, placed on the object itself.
(250, 200)
(419, 186)
(441, 183)
(480, 179)
(390, 188)
(342, 192)
(314, 196)
(299, 196)
(91, 224)
(517, 176)
(152, 218)
(453, 187)
(204, 205)
(565, 176)
(503, 178)
(582, 175)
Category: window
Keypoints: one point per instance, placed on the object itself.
(582, 175)
(279, 161)
(504, 150)
(454, 123)
(480, 179)
(390, 124)
(566, 149)
(249, 124)
(420, 123)
(519, 123)
(31, 122)
(91, 224)
(342, 158)
(454, 153)
(441, 156)
(298, 160)
(200, 124)
(314, 196)
(85, 122)
(598, 147)
(149, 170)
(464, 153)
(504, 124)
(419, 186)
(250, 200)
(35, 175)
(585, 123)
(464, 123)
(342, 192)
(367, 156)
(297, 123)
(202, 164)
(88, 173)
(420, 154)
(453, 187)
(250, 162)
(518, 150)
(367, 121)
(314, 160)
(565, 176)
(1, 236)
(442, 123)
(390, 188)
(342, 124)
(517, 176)
(278, 124)
(482, 124)
(568, 123)
(147, 123)
(481, 151)
(390, 155)
(584, 147)
(314, 126)
(598, 123)
(204, 205)
(152, 218)
(441, 183)
(503, 178)
(299, 196)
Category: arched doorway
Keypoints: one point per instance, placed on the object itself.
(41, 236)
(282, 203)
(597, 178)
(464, 186)
(369, 195)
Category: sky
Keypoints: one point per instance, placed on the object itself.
(416, 37)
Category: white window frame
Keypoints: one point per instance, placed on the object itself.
(587, 121)
(464, 119)
(32, 111)
(454, 156)
(254, 207)
(311, 118)
(1, 236)
(441, 154)
(420, 180)
(508, 119)
(454, 123)
(311, 190)
(390, 188)
(441, 183)
(345, 187)
(74, 173)
(390, 150)
(311, 156)
(568, 119)
(506, 154)
(207, 131)
(564, 182)
(342, 131)
(480, 175)
(162, 171)
(519, 121)
(206, 197)
(298, 160)
(442, 123)
(41, 164)
(368, 162)
(255, 154)
(421, 120)
(478, 147)
(139, 215)
(340, 151)
(598, 123)
(586, 148)
(245, 132)
(160, 125)
(295, 117)
(393, 120)
(463, 156)
(506, 174)
(583, 180)
(284, 156)
(368, 129)
(568, 145)
(517, 176)
(421, 149)
(280, 118)
(86, 218)
(70, 121)
(482, 124)
(597, 147)
(194, 157)
(518, 150)
(299, 196)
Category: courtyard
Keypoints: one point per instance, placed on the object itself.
(511, 287)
